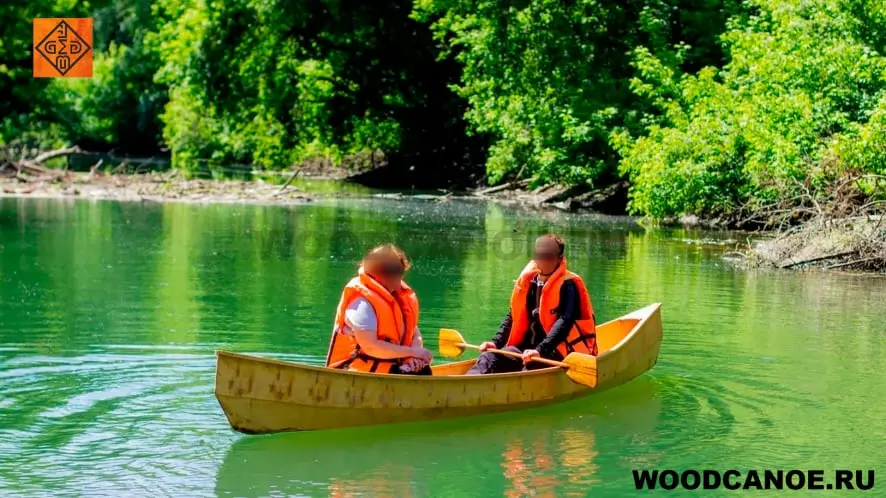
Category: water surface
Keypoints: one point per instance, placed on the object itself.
(110, 313)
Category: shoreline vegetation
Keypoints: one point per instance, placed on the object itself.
(760, 115)
(33, 178)
(836, 233)
(855, 243)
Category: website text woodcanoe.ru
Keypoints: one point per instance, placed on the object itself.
(862, 480)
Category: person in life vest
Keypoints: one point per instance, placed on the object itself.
(376, 322)
(550, 316)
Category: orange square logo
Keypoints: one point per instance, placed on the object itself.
(63, 48)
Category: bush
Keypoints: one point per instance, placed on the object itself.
(798, 106)
(549, 80)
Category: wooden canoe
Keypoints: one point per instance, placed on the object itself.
(261, 395)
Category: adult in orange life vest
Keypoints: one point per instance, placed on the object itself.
(376, 323)
(550, 316)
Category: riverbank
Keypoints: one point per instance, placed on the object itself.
(850, 244)
(32, 179)
(152, 187)
(610, 200)
(854, 241)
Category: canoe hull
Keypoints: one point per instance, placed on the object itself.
(250, 417)
(285, 399)
(261, 395)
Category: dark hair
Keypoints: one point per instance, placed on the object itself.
(561, 246)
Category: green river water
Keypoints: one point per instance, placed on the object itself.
(110, 314)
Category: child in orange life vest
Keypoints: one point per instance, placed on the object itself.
(550, 316)
(376, 323)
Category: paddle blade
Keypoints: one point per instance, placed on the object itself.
(450, 344)
(582, 369)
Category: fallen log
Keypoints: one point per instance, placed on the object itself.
(502, 187)
(290, 180)
(33, 169)
(46, 156)
(818, 259)
(853, 262)
(34, 166)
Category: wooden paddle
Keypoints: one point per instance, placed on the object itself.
(580, 368)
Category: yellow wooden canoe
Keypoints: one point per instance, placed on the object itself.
(261, 395)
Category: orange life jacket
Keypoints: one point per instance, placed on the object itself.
(397, 316)
(582, 338)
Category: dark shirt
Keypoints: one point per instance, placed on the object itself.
(567, 313)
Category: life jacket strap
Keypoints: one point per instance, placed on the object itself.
(359, 354)
(589, 340)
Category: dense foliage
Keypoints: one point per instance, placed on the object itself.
(278, 82)
(798, 108)
(710, 107)
(550, 80)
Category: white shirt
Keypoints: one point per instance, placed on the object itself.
(360, 315)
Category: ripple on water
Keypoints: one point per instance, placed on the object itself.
(106, 373)
(99, 411)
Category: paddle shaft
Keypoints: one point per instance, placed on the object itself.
(512, 354)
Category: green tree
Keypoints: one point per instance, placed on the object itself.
(119, 107)
(797, 108)
(276, 83)
(26, 110)
(115, 109)
(549, 80)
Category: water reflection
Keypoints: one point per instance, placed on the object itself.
(530, 468)
(389, 480)
(109, 313)
(546, 452)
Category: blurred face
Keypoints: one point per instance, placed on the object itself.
(388, 273)
(546, 255)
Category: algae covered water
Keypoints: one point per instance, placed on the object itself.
(110, 314)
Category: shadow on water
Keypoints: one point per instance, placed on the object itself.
(546, 451)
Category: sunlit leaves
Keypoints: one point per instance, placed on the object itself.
(550, 80)
(798, 100)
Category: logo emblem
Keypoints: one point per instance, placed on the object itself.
(63, 48)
